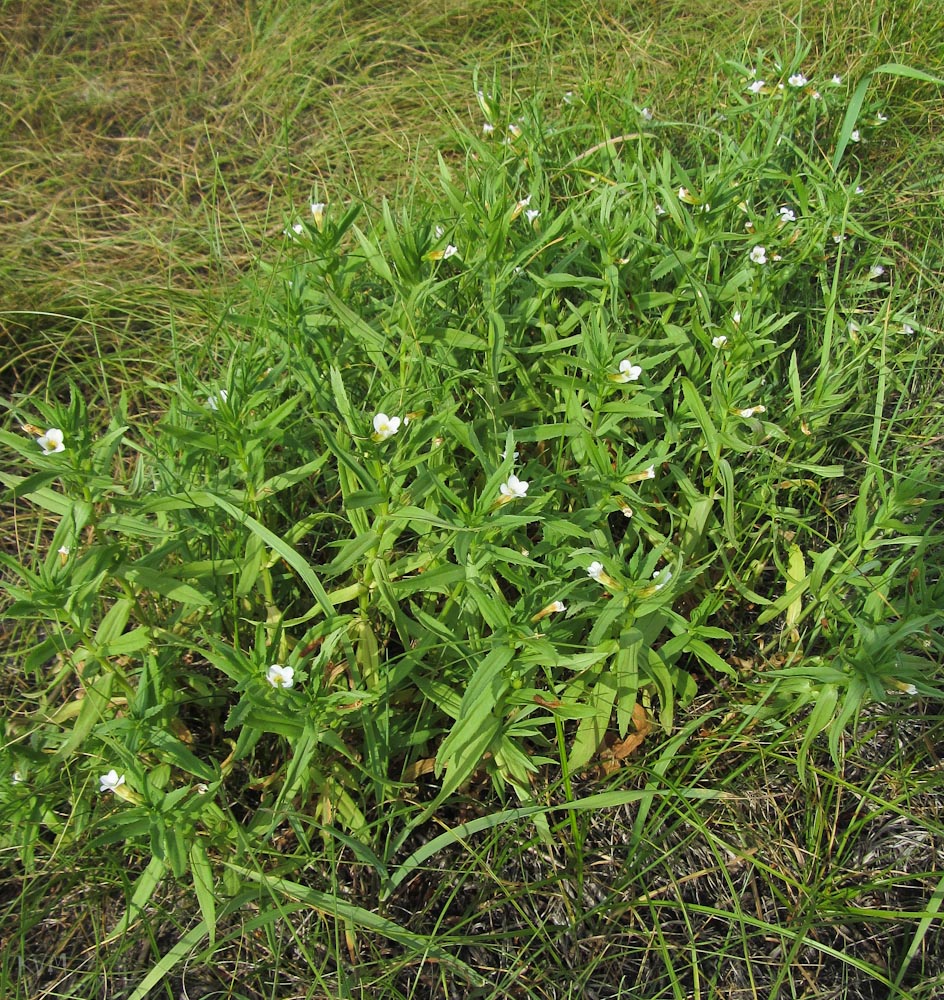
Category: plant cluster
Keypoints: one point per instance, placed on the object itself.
(489, 483)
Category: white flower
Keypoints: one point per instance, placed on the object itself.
(736, 318)
(646, 115)
(16, 777)
(298, 229)
(881, 118)
(52, 441)
(317, 211)
(279, 676)
(797, 80)
(109, 782)
(487, 128)
(787, 214)
(595, 571)
(759, 255)
(907, 330)
(855, 137)
(514, 455)
(201, 788)
(514, 488)
(439, 232)
(555, 607)
(719, 341)
(216, 398)
(876, 271)
(450, 251)
(860, 190)
(63, 550)
(910, 689)
(757, 86)
(531, 214)
(816, 95)
(749, 411)
(651, 472)
(659, 209)
(569, 97)
(853, 327)
(385, 427)
(523, 204)
(628, 372)
(514, 130)
(836, 80)
(662, 576)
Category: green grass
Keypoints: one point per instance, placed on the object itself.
(441, 804)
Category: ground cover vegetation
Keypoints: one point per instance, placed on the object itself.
(502, 560)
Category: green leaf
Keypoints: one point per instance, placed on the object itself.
(202, 874)
(160, 583)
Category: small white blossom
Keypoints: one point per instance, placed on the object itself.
(836, 80)
(214, 400)
(907, 330)
(317, 211)
(759, 255)
(628, 372)
(450, 251)
(797, 80)
(757, 86)
(856, 136)
(487, 128)
(910, 689)
(52, 441)
(876, 271)
(110, 781)
(63, 550)
(881, 118)
(513, 488)
(853, 327)
(646, 115)
(531, 214)
(719, 342)
(659, 209)
(16, 777)
(555, 607)
(650, 472)
(298, 229)
(514, 455)
(860, 190)
(439, 232)
(385, 427)
(280, 677)
(201, 788)
(736, 318)
(816, 95)
(749, 411)
(568, 98)
(595, 571)
(514, 130)
(787, 214)
(662, 576)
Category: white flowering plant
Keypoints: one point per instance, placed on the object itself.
(472, 493)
